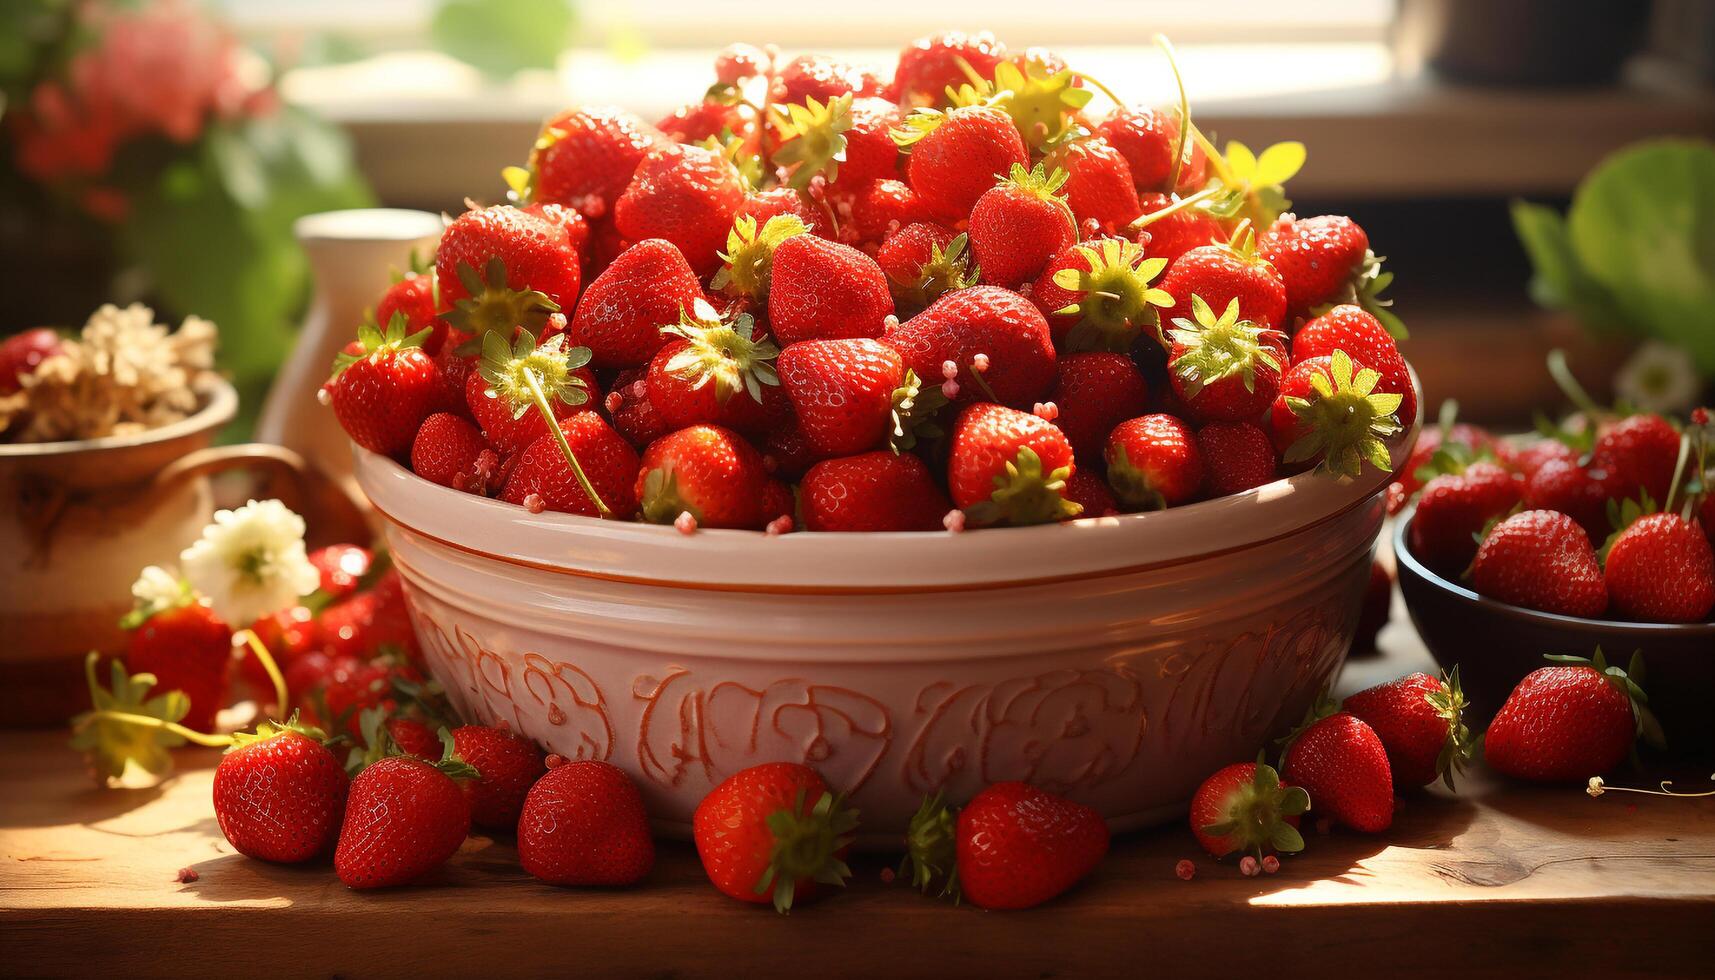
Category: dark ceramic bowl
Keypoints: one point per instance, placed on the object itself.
(1495, 644)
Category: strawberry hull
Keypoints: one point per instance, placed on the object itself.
(894, 663)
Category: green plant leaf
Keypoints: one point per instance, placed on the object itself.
(502, 37)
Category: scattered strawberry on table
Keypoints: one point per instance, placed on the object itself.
(1045, 304)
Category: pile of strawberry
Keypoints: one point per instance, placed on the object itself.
(1608, 517)
(822, 300)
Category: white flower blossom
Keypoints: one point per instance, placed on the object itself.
(1659, 378)
(251, 562)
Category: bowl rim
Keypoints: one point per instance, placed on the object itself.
(1404, 557)
(219, 405)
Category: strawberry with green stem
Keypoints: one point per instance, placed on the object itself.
(954, 155)
(706, 471)
(773, 834)
(1568, 722)
(1246, 808)
(1153, 463)
(712, 370)
(1042, 99)
(279, 793)
(1008, 466)
(404, 817)
(1019, 224)
(383, 387)
(1097, 296)
(1223, 273)
(1329, 413)
(179, 641)
(1226, 369)
(501, 268)
(749, 257)
(527, 377)
(812, 138)
(1326, 261)
(923, 261)
(1420, 721)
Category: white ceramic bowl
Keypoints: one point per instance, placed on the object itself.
(1117, 660)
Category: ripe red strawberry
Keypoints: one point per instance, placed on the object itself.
(1019, 224)
(1153, 462)
(584, 158)
(773, 833)
(382, 392)
(710, 119)
(1565, 486)
(1326, 260)
(1420, 721)
(623, 310)
(1245, 807)
(1660, 570)
(501, 267)
(1329, 414)
(1094, 393)
(1146, 138)
(954, 156)
(820, 77)
(607, 460)
(929, 65)
(1097, 296)
(1099, 184)
(922, 261)
(414, 297)
(712, 370)
(1638, 455)
(404, 818)
(1019, 846)
(1090, 492)
(1541, 559)
(1453, 510)
(685, 194)
(584, 824)
(1342, 764)
(187, 648)
(20, 353)
(1461, 440)
(634, 416)
(874, 491)
(1178, 233)
(450, 451)
(762, 206)
(1534, 456)
(1566, 723)
(842, 392)
(870, 151)
(822, 290)
(987, 320)
(1220, 274)
(1009, 467)
(279, 794)
(1224, 368)
(871, 213)
(1351, 329)
(342, 567)
(1237, 456)
(414, 738)
(706, 471)
(510, 764)
(509, 426)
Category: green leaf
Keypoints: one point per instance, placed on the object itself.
(1559, 281)
(502, 37)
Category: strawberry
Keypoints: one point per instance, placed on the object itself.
(1329, 413)
(573, 223)
(1097, 296)
(1094, 393)
(954, 156)
(1245, 807)
(1461, 440)
(738, 61)
(874, 491)
(988, 320)
(634, 416)
(817, 76)
(414, 738)
(1638, 455)
(922, 261)
(822, 290)
(341, 567)
(1420, 721)
(415, 297)
(1324, 261)
(870, 151)
(506, 412)
(712, 370)
(706, 471)
(623, 310)
(930, 65)
(404, 818)
(709, 120)
(1565, 486)
(1019, 846)
(1566, 723)
(1009, 467)
(875, 211)
(500, 268)
(687, 195)
(381, 393)
(279, 794)
(748, 262)
(1146, 138)
(21, 353)
(1453, 510)
(1353, 330)
(1224, 368)
(608, 462)
(773, 833)
(1220, 274)
(510, 764)
(186, 647)
(1019, 224)
(585, 158)
(451, 452)
(762, 206)
(842, 392)
(1342, 764)
(1541, 559)
(1531, 458)
(1153, 462)
(584, 824)
(1167, 238)
(452, 372)
(1099, 185)
(1090, 492)
(287, 635)
(1660, 570)
(1237, 456)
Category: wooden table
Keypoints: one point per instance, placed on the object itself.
(1498, 879)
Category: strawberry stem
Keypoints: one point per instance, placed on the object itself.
(541, 399)
(1597, 787)
(144, 721)
(1166, 47)
(1569, 386)
(1144, 221)
(262, 656)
